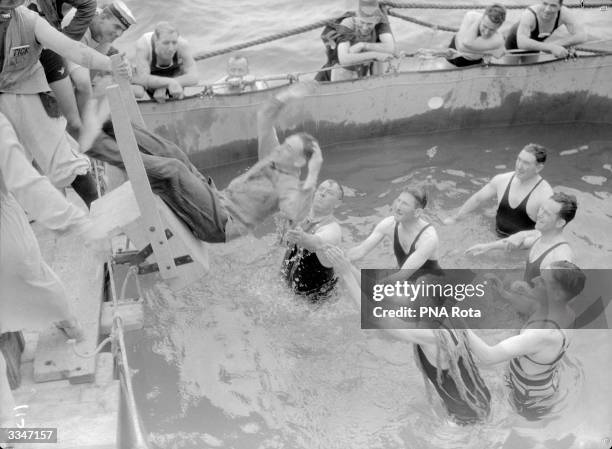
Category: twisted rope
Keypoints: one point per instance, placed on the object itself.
(393, 4)
(422, 22)
(272, 37)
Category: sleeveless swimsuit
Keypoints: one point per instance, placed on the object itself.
(532, 269)
(305, 274)
(511, 42)
(532, 395)
(454, 404)
(171, 71)
(429, 267)
(510, 220)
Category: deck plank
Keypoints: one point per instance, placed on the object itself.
(86, 415)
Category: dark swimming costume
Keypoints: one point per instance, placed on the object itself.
(511, 42)
(305, 274)
(509, 221)
(455, 405)
(430, 265)
(171, 71)
(460, 61)
(534, 395)
(532, 269)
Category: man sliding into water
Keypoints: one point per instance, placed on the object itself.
(272, 185)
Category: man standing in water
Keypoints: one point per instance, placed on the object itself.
(536, 353)
(305, 267)
(442, 355)
(415, 241)
(547, 243)
(519, 193)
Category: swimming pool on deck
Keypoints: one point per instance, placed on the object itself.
(237, 362)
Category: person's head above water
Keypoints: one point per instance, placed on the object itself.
(530, 161)
(561, 280)
(409, 204)
(556, 212)
(327, 197)
(296, 150)
(492, 18)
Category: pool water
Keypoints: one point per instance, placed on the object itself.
(238, 362)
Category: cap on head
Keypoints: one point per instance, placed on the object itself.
(369, 11)
(122, 13)
(10, 4)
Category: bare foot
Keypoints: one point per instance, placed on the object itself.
(72, 329)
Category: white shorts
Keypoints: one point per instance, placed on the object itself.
(44, 138)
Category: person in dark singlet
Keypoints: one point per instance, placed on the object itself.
(164, 63)
(534, 31)
(519, 193)
(478, 35)
(546, 244)
(407, 229)
(306, 269)
(442, 354)
(535, 354)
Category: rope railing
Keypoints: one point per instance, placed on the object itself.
(404, 5)
(422, 22)
(270, 38)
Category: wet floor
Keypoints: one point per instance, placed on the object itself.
(237, 362)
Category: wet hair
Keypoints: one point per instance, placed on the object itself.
(496, 13)
(568, 203)
(569, 276)
(164, 27)
(419, 194)
(538, 151)
(339, 186)
(308, 143)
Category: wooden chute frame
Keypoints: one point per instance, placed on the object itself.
(148, 222)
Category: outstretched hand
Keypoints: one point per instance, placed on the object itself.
(337, 258)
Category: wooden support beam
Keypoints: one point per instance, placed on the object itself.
(151, 220)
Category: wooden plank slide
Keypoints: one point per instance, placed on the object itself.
(134, 210)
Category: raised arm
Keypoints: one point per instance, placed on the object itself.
(365, 247)
(351, 278)
(330, 234)
(487, 192)
(529, 342)
(74, 51)
(85, 12)
(520, 240)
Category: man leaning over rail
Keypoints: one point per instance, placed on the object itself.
(272, 185)
(164, 63)
(363, 38)
(537, 29)
(479, 35)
